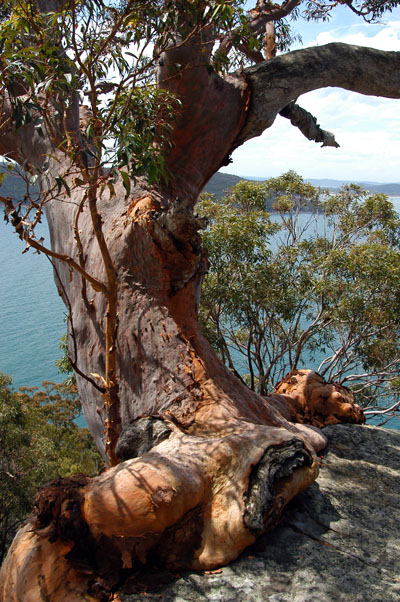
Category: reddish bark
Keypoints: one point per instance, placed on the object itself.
(312, 400)
(225, 461)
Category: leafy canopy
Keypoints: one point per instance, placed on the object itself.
(317, 281)
(39, 441)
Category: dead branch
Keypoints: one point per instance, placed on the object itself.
(308, 125)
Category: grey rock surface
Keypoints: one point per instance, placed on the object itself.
(338, 541)
(140, 436)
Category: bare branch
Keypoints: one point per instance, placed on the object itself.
(392, 408)
(264, 13)
(278, 82)
(308, 125)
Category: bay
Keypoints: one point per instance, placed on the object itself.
(32, 315)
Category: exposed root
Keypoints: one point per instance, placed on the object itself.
(189, 503)
(312, 400)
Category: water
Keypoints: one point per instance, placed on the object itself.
(31, 312)
(32, 315)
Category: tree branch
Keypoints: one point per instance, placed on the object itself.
(279, 81)
(384, 411)
(265, 12)
(308, 125)
(262, 14)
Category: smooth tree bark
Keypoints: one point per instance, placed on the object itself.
(206, 465)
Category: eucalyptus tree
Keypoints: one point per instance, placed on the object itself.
(315, 283)
(40, 440)
(121, 111)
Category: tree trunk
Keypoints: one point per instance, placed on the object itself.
(207, 465)
(217, 463)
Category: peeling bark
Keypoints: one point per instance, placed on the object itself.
(225, 461)
(312, 400)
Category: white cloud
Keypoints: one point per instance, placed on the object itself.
(367, 128)
(371, 154)
(386, 38)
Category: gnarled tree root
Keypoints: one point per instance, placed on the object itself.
(191, 502)
(310, 399)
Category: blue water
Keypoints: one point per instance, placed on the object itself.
(31, 312)
(32, 315)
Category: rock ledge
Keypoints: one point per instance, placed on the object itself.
(338, 541)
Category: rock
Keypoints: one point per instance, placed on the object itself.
(140, 436)
(338, 541)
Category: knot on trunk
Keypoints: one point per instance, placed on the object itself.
(311, 399)
(183, 225)
(174, 231)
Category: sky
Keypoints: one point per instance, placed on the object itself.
(367, 128)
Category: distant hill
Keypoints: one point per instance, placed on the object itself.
(391, 189)
(220, 182)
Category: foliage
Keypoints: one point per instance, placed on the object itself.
(64, 363)
(317, 281)
(39, 441)
(76, 51)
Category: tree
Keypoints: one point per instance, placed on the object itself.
(39, 441)
(318, 280)
(118, 181)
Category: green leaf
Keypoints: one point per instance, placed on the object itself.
(126, 182)
(62, 183)
(111, 189)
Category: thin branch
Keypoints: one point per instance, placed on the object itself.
(81, 257)
(308, 125)
(385, 411)
(263, 13)
(19, 227)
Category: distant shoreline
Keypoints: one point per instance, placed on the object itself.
(220, 182)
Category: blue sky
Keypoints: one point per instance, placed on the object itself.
(367, 128)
